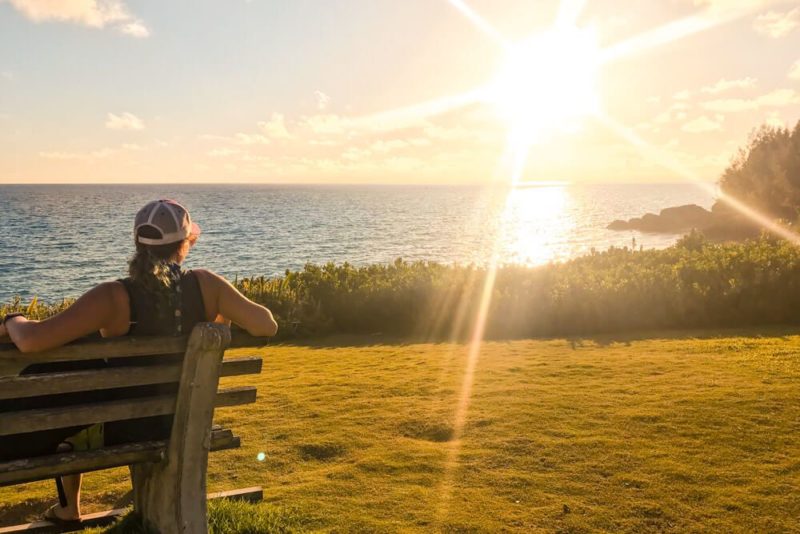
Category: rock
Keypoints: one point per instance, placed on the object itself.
(673, 220)
(619, 224)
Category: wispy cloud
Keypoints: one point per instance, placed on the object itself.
(124, 121)
(92, 155)
(703, 124)
(774, 119)
(774, 99)
(777, 24)
(275, 127)
(323, 100)
(91, 13)
(726, 85)
(7, 75)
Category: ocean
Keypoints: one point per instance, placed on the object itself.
(58, 241)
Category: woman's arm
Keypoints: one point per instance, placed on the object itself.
(97, 310)
(232, 305)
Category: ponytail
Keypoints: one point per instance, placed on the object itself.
(152, 267)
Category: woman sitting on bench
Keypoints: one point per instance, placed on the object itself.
(158, 298)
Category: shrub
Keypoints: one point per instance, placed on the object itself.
(693, 284)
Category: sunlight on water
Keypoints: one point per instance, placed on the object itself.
(53, 247)
(536, 220)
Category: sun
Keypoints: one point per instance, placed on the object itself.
(546, 83)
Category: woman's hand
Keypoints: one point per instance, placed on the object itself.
(4, 334)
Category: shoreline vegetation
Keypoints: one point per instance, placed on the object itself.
(695, 283)
(764, 176)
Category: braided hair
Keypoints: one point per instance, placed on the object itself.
(153, 267)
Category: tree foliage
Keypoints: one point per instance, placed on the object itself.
(765, 174)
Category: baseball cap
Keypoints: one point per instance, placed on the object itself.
(168, 217)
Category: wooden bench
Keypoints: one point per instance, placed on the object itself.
(169, 477)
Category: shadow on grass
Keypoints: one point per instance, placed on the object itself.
(576, 340)
(25, 511)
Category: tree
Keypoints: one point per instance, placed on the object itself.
(765, 174)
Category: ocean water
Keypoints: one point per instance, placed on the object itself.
(58, 241)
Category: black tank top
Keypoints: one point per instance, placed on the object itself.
(188, 309)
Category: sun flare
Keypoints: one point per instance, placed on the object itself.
(546, 83)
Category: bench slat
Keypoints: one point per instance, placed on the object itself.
(236, 396)
(118, 347)
(17, 387)
(44, 467)
(253, 494)
(246, 365)
(85, 414)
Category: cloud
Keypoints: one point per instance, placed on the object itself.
(682, 95)
(323, 100)
(773, 119)
(7, 75)
(86, 156)
(703, 124)
(275, 127)
(794, 71)
(124, 121)
(223, 152)
(776, 24)
(91, 13)
(775, 99)
(93, 155)
(726, 85)
(135, 29)
(250, 139)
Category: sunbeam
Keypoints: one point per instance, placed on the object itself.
(409, 116)
(465, 393)
(677, 29)
(479, 22)
(664, 160)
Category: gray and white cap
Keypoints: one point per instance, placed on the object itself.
(168, 217)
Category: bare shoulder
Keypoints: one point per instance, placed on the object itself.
(113, 290)
(205, 276)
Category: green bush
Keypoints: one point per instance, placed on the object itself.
(693, 284)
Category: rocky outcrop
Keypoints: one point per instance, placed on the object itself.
(718, 224)
(670, 221)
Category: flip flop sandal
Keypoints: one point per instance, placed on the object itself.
(50, 515)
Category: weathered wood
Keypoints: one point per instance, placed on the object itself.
(102, 519)
(84, 414)
(18, 387)
(236, 396)
(98, 519)
(252, 494)
(240, 338)
(51, 466)
(170, 495)
(102, 412)
(248, 365)
(118, 347)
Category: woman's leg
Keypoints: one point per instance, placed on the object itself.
(72, 492)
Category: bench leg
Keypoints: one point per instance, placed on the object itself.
(171, 495)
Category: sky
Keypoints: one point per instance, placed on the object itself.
(387, 91)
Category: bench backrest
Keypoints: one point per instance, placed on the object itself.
(180, 377)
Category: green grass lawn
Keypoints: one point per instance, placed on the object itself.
(659, 433)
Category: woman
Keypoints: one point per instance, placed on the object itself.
(158, 298)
